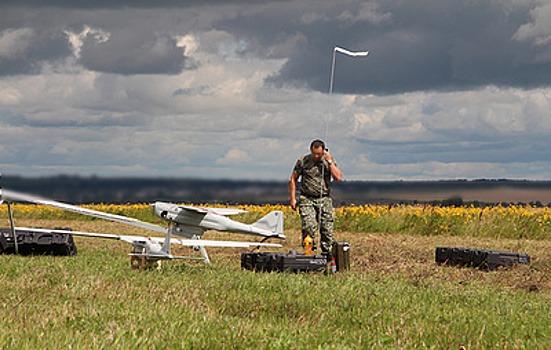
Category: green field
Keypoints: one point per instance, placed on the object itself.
(393, 297)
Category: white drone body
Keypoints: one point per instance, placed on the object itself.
(186, 221)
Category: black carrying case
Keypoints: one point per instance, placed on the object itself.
(31, 242)
(480, 258)
(280, 262)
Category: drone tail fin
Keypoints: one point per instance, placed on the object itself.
(271, 224)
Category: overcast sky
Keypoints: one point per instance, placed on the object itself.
(451, 89)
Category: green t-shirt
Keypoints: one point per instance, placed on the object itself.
(311, 173)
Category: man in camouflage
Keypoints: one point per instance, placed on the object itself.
(315, 204)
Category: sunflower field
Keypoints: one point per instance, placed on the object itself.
(515, 221)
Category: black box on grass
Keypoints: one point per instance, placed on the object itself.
(280, 262)
(32, 242)
(256, 261)
(481, 258)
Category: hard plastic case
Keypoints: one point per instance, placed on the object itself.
(280, 262)
(481, 258)
(33, 242)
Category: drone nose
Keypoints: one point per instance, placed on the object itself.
(155, 205)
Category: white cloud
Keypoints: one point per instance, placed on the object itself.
(15, 42)
(76, 40)
(369, 11)
(218, 117)
(10, 96)
(189, 43)
(539, 29)
(234, 156)
(111, 124)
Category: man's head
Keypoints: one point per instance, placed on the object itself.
(317, 149)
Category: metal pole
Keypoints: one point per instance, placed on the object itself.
(332, 72)
(12, 225)
(324, 138)
(331, 80)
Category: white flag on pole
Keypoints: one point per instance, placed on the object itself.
(351, 53)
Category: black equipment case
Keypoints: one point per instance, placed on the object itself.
(292, 262)
(481, 258)
(256, 261)
(34, 242)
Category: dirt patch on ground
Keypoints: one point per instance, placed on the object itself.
(413, 256)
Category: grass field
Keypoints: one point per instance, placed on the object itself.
(393, 297)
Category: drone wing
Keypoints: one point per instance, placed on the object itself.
(129, 239)
(137, 239)
(219, 244)
(220, 211)
(22, 197)
(227, 211)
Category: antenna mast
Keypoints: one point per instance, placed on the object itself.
(326, 122)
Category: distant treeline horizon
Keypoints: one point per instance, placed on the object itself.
(94, 189)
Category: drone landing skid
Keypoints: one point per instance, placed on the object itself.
(140, 260)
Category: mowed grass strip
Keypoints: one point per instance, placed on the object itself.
(395, 296)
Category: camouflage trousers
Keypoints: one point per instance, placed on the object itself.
(311, 210)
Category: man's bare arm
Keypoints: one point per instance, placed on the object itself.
(293, 190)
(336, 173)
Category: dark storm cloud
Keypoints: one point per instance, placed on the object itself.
(128, 52)
(416, 45)
(521, 150)
(117, 4)
(38, 48)
(30, 40)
